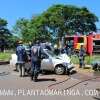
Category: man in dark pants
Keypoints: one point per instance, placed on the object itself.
(35, 61)
(21, 57)
(82, 54)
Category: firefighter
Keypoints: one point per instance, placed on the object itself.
(35, 61)
(21, 58)
(82, 54)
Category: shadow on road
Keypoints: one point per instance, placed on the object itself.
(46, 79)
(73, 72)
(4, 73)
(96, 98)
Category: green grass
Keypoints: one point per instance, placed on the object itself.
(88, 59)
(5, 56)
(74, 59)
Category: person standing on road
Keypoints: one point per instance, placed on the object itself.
(82, 54)
(35, 61)
(21, 58)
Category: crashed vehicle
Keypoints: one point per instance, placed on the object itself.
(59, 64)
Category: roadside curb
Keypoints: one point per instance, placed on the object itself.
(4, 62)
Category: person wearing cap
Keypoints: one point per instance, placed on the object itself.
(21, 58)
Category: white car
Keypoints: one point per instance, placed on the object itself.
(59, 64)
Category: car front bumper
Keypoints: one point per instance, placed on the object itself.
(70, 67)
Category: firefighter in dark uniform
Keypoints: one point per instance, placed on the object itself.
(21, 58)
(35, 61)
(82, 54)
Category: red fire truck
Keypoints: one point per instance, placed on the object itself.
(91, 42)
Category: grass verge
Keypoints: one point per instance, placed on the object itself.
(88, 59)
(5, 56)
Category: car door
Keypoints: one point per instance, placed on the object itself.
(46, 63)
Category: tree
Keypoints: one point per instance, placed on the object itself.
(82, 21)
(64, 19)
(40, 26)
(30, 30)
(3, 29)
(4, 34)
(24, 29)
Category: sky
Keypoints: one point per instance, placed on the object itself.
(12, 10)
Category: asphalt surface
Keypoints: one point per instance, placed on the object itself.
(63, 86)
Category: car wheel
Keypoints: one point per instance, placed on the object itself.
(59, 70)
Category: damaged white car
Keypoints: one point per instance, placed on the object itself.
(59, 64)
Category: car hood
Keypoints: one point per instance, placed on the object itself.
(63, 58)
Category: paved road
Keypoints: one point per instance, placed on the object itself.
(23, 88)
